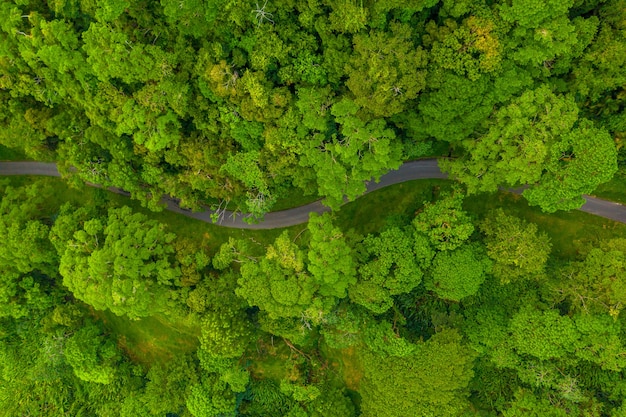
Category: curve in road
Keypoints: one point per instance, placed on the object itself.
(414, 170)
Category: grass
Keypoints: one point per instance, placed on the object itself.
(394, 205)
(571, 232)
(149, 340)
(345, 363)
(293, 197)
(209, 235)
(614, 190)
(273, 360)
(10, 154)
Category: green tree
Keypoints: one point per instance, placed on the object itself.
(225, 332)
(469, 49)
(598, 283)
(459, 273)
(517, 248)
(278, 284)
(598, 71)
(600, 341)
(361, 151)
(211, 398)
(93, 357)
(124, 265)
(432, 381)
(444, 222)
(389, 266)
(386, 70)
(517, 146)
(331, 260)
(579, 162)
(543, 334)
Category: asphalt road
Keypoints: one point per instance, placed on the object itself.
(413, 170)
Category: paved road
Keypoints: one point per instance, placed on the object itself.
(414, 170)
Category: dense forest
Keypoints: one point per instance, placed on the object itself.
(448, 309)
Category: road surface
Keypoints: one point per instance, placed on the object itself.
(414, 170)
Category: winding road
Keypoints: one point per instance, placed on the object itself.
(414, 170)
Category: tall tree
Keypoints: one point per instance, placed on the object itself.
(444, 222)
(389, 266)
(331, 260)
(123, 264)
(459, 273)
(517, 248)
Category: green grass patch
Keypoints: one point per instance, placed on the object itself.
(571, 233)
(149, 340)
(293, 197)
(390, 206)
(614, 190)
(345, 364)
(10, 154)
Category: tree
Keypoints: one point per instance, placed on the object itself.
(432, 381)
(459, 273)
(469, 49)
(93, 357)
(598, 283)
(278, 284)
(211, 398)
(582, 160)
(225, 332)
(123, 264)
(361, 151)
(331, 260)
(28, 261)
(24, 230)
(516, 247)
(543, 334)
(386, 70)
(600, 341)
(389, 266)
(444, 222)
(517, 146)
(168, 384)
(528, 405)
(598, 71)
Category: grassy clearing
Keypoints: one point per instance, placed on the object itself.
(149, 340)
(345, 363)
(293, 197)
(209, 235)
(571, 232)
(274, 359)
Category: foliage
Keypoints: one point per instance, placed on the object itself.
(421, 303)
(516, 247)
(459, 273)
(123, 265)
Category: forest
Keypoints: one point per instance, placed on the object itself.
(434, 298)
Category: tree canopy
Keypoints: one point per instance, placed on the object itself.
(433, 307)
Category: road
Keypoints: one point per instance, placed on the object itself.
(413, 170)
